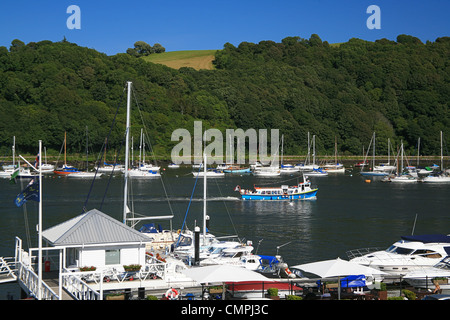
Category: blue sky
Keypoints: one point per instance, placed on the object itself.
(113, 26)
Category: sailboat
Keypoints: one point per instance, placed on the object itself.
(335, 167)
(402, 177)
(87, 173)
(286, 168)
(10, 169)
(161, 238)
(65, 169)
(307, 166)
(386, 166)
(144, 170)
(208, 245)
(106, 167)
(373, 172)
(45, 167)
(441, 177)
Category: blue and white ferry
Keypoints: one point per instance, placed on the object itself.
(301, 191)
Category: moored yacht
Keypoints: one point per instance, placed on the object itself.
(405, 255)
(435, 277)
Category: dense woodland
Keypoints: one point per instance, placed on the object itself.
(399, 89)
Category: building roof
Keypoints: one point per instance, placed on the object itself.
(92, 227)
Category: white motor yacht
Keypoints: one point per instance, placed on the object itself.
(427, 278)
(408, 254)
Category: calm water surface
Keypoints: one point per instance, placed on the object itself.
(349, 213)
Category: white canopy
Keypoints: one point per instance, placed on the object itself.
(223, 273)
(337, 268)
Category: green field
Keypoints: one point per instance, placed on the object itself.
(197, 59)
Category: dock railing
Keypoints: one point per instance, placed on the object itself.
(29, 280)
(75, 285)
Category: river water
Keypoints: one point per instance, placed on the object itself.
(349, 213)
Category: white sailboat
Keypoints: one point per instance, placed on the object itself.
(144, 170)
(401, 176)
(9, 170)
(373, 172)
(387, 167)
(286, 168)
(443, 176)
(85, 174)
(335, 167)
(308, 166)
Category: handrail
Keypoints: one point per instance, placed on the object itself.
(78, 288)
(30, 280)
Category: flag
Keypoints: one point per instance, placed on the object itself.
(31, 192)
(13, 176)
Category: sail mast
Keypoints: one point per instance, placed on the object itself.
(127, 131)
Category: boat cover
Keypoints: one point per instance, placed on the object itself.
(151, 228)
(428, 238)
(269, 259)
(353, 281)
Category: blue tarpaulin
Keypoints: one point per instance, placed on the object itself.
(353, 281)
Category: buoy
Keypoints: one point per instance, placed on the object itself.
(368, 181)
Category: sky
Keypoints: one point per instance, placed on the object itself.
(113, 26)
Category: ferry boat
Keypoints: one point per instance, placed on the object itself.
(301, 191)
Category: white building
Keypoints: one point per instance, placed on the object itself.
(96, 239)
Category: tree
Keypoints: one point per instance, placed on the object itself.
(158, 48)
(16, 44)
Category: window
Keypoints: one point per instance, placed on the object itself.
(112, 256)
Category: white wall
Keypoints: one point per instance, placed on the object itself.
(93, 256)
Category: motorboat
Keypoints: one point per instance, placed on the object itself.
(209, 247)
(434, 277)
(437, 178)
(274, 267)
(301, 191)
(408, 254)
(238, 256)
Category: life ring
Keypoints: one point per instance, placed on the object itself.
(288, 272)
(171, 294)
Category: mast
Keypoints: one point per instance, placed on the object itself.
(40, 224)
(442, 156)
(418, 153)
(65, 148)
(127, 131)
(204, 198)
(373, 158)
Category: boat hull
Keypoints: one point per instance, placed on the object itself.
(308, 195)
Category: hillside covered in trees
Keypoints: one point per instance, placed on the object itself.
(399, 89)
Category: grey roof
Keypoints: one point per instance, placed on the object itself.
(92, 227)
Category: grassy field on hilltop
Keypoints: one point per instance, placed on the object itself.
(197, 59)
